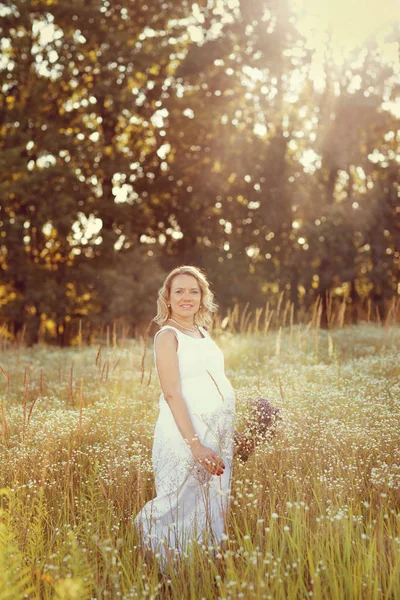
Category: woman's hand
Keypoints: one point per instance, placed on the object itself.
(208, 459)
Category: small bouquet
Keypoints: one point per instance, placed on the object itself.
(262, 422)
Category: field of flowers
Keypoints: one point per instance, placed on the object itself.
(315, 511)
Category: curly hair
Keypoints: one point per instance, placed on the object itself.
(207, 304)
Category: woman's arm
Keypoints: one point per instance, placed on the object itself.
(168, 371)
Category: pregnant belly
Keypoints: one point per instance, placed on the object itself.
(211, 404)
(212, 416)
(207, 393)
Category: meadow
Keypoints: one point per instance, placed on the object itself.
(315, 511)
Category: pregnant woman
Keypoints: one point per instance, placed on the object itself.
(193, 438)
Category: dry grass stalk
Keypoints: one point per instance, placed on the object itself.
(267, 324)
(2, 371)
(242, 318)
(247, 326)
(41, 382)
(226, 323)
(329, 301)
(278, 342)
(330, 344)
(341, 314)
(70, 386)
(278, 308)
(266, 316)
(115, 364)
(315, 310)
(334, 318)
(114, 335)
(25, 402)
(145, 338)
(257, 318)
(80, 406)
(319, 316)
(5, 430)
(98, 356)
(330, 313)
(291, 323)
(317, 327)
(235, 317)
(285, 312)
(390, 318)
(104, 371)
(31, 409)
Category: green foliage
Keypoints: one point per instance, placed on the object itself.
(126, 287)
(15, 575)
(79, 585)
(125, 139)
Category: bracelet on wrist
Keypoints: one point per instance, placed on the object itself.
(194, 443)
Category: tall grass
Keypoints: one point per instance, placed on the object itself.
(314, 513)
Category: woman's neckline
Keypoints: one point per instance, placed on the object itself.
(185, 334)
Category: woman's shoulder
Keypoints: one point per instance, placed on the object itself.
(169, 331)
(166, 329)
(164, 337)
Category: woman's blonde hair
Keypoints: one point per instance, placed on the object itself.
(207, 304)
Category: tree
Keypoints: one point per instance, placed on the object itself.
(167, 133)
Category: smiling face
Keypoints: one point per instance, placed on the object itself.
(185, 296)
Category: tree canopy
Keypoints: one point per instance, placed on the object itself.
(136, 137)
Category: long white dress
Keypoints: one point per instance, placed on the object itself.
(191, 504)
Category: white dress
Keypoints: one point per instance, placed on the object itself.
(191, 504)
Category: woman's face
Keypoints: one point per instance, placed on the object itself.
(185, 297)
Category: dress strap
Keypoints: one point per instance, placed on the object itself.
(166, 327)
(163, 328)
(179, 334)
